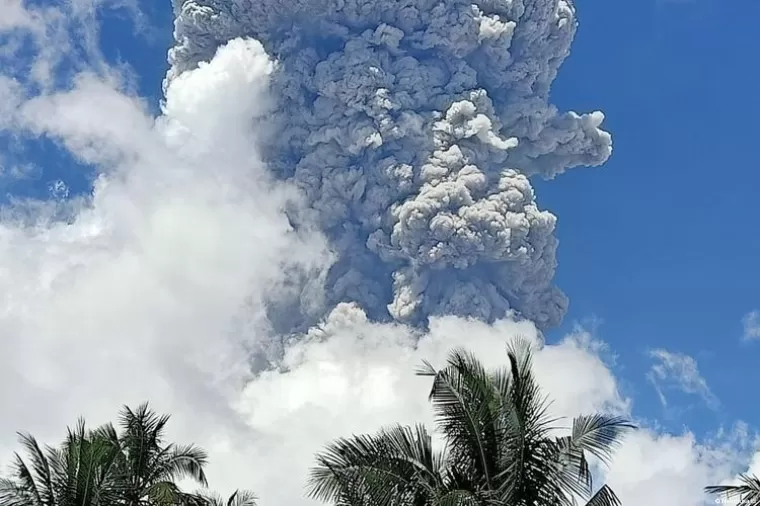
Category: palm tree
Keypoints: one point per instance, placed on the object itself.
(147, 469)
(499, 449)
(748, 492)
(133, 467)
(79, 473)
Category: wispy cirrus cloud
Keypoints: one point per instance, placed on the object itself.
(678, 371)
(751, 324)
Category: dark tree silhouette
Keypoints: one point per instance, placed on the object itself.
(133, 466)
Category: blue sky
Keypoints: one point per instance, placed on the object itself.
(658, 247)
(662, 245)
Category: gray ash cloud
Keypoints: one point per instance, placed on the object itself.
(413, 127)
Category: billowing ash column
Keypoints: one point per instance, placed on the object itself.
(412, 126)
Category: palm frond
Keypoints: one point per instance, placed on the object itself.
(458, 498)
(748, 492)
(604, 497)
(178, 462)
(382, 469)
(527, 466)
(599, 435)
(467, 411)
(527, 399)
(13, 494)
(163, 493)
(38, 478)
(208, 498)
(242, 498)
(571, 467)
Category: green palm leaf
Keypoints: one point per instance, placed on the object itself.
(393, 466)
(599, 435)
(238, 498)
(748, 492)
(604, 497)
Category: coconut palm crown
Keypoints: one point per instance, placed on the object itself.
(500, 447)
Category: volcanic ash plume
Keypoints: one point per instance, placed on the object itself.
(412, 128)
